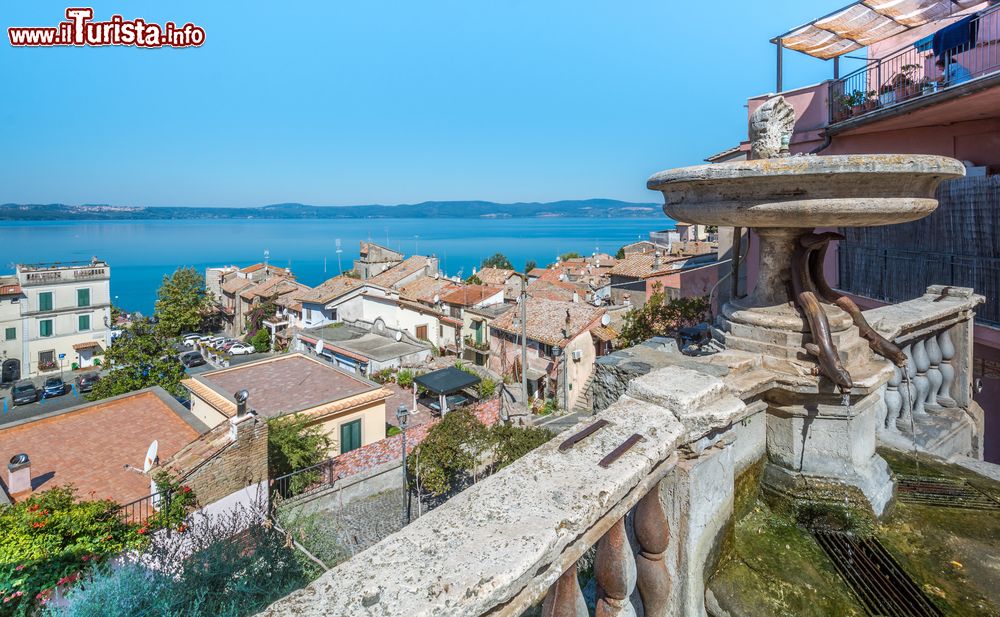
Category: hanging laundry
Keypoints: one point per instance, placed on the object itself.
(956, 38)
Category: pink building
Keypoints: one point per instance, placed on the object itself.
(901, 102)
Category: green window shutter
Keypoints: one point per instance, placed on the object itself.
(84, 323)
(45, 327)
(45, 301)
(350, 436)
(10, 334)
(83, 297)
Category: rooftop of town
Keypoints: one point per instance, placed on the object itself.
(547, 320)
(91, 446)
(279, 385)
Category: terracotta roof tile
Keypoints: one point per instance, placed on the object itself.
(279, 385)
(494, 276)
(547, 320)
(425, 288)
(470, 295)
(330, 290)
(89, 446)
(236, 284)
(395, 274)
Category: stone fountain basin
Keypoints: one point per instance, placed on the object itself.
(807, 191)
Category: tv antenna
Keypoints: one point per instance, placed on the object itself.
(340, 269)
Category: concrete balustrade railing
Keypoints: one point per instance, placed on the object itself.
(513, 540)
(931, 397)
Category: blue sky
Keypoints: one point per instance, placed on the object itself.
(387, 101)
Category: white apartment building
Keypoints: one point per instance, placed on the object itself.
(65, 315)
(10, 329)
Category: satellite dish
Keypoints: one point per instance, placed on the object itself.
(437, 298)
(319, 346)
(437, 276)
(150, 456)
(399, 336)
(605, 319)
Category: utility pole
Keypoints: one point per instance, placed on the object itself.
(524, 342)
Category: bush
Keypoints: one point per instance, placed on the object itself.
(292, 445)
(261, 341)
(510, 442)
(383, 376)
(50, 540)
(230, 565)
(405, 378)
(486, 388)
(451, 449)
(392, 430)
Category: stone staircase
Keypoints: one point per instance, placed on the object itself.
(585, 402)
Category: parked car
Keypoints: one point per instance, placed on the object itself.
(190, 339)
(241, 349)
(24, 392)
(215, 341)
(228, 344)
(454, 402)
(193, 359)
(85, 382)
(54, 386)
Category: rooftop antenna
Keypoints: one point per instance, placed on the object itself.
(340, 269)
(416, 245)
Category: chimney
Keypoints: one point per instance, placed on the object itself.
(656, 260)
(240, 422)
(19, 475)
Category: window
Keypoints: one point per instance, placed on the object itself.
(46, 359)
(10, 334)
(333, 314)
(350, 436)
(83, 323)
(422, 332)
(45, 327)
(309, 315)
(83, 297)
(45, 301)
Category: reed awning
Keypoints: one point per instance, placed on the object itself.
(866, 22)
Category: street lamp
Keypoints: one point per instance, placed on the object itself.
(403, 415)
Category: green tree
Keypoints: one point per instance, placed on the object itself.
(451, 450)
(497, 260)
(182, 303)
(261, 341)
(660, 317)
(510, 443)
(292, 444)
(140, 357)
(621, 253)
(569, 255)
(530, 265)
(474, 280)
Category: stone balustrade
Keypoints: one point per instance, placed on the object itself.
(930, 400)
(655, 514)
(659, 513)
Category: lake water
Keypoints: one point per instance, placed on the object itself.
(140, 253)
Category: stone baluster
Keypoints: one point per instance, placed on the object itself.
(908, 391)
(933, 371)
(920, 381)
(893, 399)
(565, 599)
(947, 369)
(614, 570)
(653, 534)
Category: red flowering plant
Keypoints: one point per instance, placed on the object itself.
(50, 540)
(174, 502)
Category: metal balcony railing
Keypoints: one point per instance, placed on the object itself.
(911, 72)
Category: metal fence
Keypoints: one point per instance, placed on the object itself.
(303, 481)
(910, 72)
(139, 511)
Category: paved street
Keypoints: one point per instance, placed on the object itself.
(9, 413)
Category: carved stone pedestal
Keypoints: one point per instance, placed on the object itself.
(821, 454)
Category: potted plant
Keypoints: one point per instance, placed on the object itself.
(887, 94)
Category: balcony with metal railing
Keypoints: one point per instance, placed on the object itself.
(913, 72)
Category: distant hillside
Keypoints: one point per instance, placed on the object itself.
(597, 208)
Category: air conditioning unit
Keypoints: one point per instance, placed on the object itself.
(577, 355)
